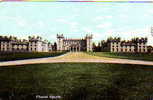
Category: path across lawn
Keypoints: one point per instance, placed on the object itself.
(76, 57)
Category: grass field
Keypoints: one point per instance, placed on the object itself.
(74, 81)
(135, 56)
(7, 56)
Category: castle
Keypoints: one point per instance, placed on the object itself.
(37, 44)
(64, 44)
(33, 44)
(118, 45)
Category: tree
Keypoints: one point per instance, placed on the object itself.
(94, 46)
(55, 46)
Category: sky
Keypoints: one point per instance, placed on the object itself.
(75, 20)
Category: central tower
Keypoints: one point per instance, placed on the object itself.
(60, 42)
(74, 45)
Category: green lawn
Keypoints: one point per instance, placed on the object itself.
(135, 56)
(74, 81)
(7, 56)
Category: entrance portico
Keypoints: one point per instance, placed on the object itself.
(74, 48)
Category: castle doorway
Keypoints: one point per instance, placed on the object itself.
(74, 48)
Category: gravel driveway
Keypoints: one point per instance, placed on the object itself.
(76, 57)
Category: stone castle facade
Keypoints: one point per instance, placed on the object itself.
(37, 44)
(64, 44)
(33, 44)
(118, 45)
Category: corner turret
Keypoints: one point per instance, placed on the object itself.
(60, 42)
(89, 42)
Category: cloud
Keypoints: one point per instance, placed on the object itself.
(21, 22)
(104, 25)
(40, 24)
(100, 18)
(61, 20)
(87, 30)
(109, 17)
(17, 20)
(150, 11)
(124, 16)
(67, 22)
(73, 26)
